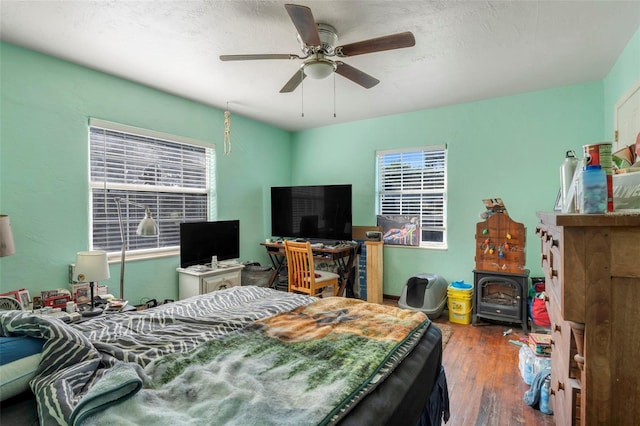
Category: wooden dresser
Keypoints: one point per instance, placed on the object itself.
(591, 265)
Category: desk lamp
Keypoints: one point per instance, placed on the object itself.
(91, 267)
(7, 247)
(146, 228)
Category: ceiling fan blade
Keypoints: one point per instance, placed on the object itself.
(379, 44)
(305, 24)
(258, 56)
(293, 82)
(355, 75)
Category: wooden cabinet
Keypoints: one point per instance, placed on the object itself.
(591, 265)
(500, 244)
(193, 283)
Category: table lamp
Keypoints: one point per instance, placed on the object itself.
(7, 247)
(91, 267)
(146, 228)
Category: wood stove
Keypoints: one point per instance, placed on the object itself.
(501, 296)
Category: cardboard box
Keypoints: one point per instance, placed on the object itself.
(540, 344)
(626, 191)
(80, 293)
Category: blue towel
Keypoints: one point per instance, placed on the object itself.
(532, 396)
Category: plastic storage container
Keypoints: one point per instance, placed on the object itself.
(593, 198)
(460, 296)
(426, 293)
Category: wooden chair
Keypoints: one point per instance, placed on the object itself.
(303, 277)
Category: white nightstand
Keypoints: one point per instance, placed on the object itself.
(193, 283)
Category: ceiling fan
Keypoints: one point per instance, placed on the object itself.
(318, 44)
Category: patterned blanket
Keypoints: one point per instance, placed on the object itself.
(246, 355)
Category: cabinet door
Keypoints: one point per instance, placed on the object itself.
(189, 285)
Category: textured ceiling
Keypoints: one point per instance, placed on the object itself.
(465, 50)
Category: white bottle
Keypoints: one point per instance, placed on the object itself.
(567, 170)
(214, 262)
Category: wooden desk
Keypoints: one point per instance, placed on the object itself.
(342, 256)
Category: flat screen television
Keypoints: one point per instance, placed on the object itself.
(199, 241)
(319, 212)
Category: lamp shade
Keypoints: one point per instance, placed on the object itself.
(319, 68)
(7, 247)
(92, 266)
(147, 226)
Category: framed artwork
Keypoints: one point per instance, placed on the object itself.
(24, 298)
(401, 230)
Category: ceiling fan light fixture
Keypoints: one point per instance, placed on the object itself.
(319, 68)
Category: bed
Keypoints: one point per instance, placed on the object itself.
(243, 355)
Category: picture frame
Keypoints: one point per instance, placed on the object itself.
(402, 230)
(24, 298)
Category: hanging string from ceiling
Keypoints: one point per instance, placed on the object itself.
(302, 91)
(227, 131)
(334, 95)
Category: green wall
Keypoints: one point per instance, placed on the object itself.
(45, 105)
(508, 147)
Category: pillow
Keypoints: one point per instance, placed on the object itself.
(19, 360)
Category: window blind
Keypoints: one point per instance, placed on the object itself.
(171, 177)
(413, 182)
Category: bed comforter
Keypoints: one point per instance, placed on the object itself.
(246, 355)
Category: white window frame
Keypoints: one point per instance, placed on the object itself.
(209, 190)
(435, 188)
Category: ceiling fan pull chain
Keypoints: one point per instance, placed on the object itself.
(334, 95)
(302, 91)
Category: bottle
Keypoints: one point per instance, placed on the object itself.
(567, 170)
(528, 368)
(545, 403)
(593, 196)
(214, 262)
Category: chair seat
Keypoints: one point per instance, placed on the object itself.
(322, 276)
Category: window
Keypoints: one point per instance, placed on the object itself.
(414, 182)
(171, 175)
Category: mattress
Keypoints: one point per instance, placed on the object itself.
(399, 395)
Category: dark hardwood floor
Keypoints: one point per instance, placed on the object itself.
(485, 386)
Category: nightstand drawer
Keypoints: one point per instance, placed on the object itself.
(220, 282)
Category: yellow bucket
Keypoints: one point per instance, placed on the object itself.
(459, 304)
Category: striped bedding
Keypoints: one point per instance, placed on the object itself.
(93, 365)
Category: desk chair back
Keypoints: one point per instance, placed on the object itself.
(303, 277)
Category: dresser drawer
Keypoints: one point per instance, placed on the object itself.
(551, 261)
(560, 343)
(563, 265)
(561, 410)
